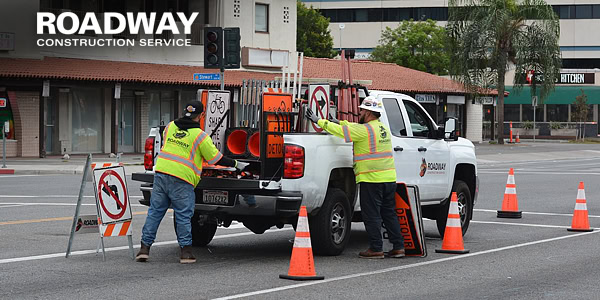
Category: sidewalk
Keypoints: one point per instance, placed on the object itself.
(74, 165)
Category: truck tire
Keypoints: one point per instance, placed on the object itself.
(330, 228)
(465, 208)
(201, 235)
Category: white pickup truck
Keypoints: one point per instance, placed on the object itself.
(317, 172)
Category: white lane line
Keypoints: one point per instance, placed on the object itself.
(520, 162)
(534, 213)
(521, 224)
(398, 268)
(8, 176)
(541, 173)
(10, 205)
(62, 254)
(57, 204)
(52, 196)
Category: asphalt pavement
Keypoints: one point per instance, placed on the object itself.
(534, 257)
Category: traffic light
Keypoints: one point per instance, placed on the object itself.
(213, 47)
(232, 48)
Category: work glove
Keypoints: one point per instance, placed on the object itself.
(240, 166)
(333, 119)
(311, 116)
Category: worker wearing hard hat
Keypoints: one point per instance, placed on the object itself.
(177, 172)
(375, 173)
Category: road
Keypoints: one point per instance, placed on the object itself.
(530, 258)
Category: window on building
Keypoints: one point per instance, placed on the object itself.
(87, 113)
(261, 17)
(583, 11)
(6, 116)
(345, 15)
(361, 15)
(395, 118)
(376, 15)
(512, 112)
(557, 113)
(528, 113)
(161, 108)
(596, 11)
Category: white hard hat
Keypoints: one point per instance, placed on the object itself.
(371, 103)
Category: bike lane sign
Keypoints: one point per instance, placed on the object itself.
(112, 198)
(217, 107)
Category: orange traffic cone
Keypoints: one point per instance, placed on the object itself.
(518, 139)
(453, 239)
(302, 265)
(510, 205)
(580, 215)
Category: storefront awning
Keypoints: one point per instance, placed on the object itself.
(560, 95)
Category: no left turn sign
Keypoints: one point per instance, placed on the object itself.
(112, 199)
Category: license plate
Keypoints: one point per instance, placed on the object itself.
(215, 197)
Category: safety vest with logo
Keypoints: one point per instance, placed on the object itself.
(373, 156)
(183, 151)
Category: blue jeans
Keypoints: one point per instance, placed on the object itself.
(169, 190)
(377, 203)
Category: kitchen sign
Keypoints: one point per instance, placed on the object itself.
(563, 78)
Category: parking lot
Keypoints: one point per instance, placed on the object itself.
(532, 257)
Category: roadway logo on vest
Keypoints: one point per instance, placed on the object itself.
(382, 132)
(423, 168)
(180, 134)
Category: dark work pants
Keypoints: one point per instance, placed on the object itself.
(377, 204)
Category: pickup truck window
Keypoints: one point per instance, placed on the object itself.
(418, 120)
(394, 117)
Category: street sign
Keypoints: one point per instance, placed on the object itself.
(3, 102)
(217, 106)
(319, 101)
(112, 199)
(534, 101)
(207, 76)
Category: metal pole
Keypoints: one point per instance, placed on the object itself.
(3, 145)
(534, 122)
(86, 169)
(222, 79)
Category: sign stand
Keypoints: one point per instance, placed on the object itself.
(79, 199)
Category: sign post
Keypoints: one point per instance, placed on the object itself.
(5, 129)
(534, 100)
(79, 199)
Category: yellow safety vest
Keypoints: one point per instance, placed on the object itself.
(373, 156)
(183, 151)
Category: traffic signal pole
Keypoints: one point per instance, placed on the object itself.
(222, 78)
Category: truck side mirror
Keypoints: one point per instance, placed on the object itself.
(450, 131)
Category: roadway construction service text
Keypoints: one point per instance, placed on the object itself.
(125, 27)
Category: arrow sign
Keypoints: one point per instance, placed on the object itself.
(111, 195)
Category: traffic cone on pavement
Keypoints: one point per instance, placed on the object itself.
(302, 265)
(580, 215)
(518, 139)
(453, 239)
(510, 205)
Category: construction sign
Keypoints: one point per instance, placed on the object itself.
(112, 199)
(87, 224)
(408, 210)
(281, 105)
(217, 119)
(318, 102)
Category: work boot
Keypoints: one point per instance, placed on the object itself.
(187, 257)
(399, 253)
(143, 254)
(370, 254)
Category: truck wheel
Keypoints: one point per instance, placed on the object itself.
(330, 228)
(201, 235)
(465, 208)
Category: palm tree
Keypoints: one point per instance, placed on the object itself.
(489, 36)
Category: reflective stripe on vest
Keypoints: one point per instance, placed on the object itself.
(179, 155)
(373, 156)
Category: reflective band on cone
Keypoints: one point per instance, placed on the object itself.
(302, 265)
(580, 220)
(510, 206)
(453, 239)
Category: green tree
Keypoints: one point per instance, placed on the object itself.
(313, 36)
(489, 35)
(581, 112)
(416, 45)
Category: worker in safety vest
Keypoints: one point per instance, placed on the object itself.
(177, 172)
(375, 173)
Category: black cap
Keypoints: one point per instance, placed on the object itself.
(193, 109)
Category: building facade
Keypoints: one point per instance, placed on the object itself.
(358, 25)
(60, 99)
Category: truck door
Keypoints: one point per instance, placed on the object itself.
(432, 154)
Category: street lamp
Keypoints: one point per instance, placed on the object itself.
(342, 26)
